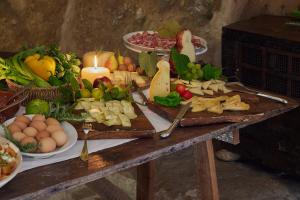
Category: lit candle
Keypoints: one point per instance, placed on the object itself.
(92, 73)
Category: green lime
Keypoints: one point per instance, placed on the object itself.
(85, 93)
(97, 93)
(37, 106)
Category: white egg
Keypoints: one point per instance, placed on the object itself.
(38, 117)
(30, 131)
(52, 121)
(18, 136)
(38, 125)
(60, 138)
(47, 145)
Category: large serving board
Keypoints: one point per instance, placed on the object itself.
(259, 106)
(140, 128)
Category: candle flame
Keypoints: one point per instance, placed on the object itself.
(95, 61)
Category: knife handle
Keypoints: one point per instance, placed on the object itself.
(281, 100)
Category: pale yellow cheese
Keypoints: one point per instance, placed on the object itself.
(160, 84)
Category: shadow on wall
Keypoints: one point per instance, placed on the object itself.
(79, 25)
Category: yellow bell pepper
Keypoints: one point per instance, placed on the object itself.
(44, 66)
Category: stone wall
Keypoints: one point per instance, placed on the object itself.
(81, 25)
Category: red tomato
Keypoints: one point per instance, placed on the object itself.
(187, 95)
(180, 89)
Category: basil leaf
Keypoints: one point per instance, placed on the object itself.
(180, 61)
(87, 84)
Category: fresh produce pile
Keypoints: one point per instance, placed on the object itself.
(44, 66)
(36, 135)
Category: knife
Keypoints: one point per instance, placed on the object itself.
(180, 115)
(251, 91)
(141, 93)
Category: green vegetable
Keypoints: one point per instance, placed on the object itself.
(37, 106)
(172, 100)
(63, 112)
(117, 93)
(169, 29)
(54, 81)
(147, 62)
(181, 62)
(211, 72)
(87, 84)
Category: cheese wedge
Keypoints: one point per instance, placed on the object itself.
(160, 84)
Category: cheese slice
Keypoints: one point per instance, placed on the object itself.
(160, 84)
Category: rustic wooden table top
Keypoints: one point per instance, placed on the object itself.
(46, 180)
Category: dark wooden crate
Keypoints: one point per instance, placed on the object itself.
(264, 53)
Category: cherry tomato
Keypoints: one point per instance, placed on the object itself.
(180, 89)
(187, 95)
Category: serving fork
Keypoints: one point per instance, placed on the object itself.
(86, 128)
(180, 115)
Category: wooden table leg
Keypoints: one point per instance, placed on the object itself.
(146, 181)
(206, 170)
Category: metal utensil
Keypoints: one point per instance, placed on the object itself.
(257, 93)
(86, 127)
(141, 93)
(180, 115)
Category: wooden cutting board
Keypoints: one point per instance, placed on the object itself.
(258, 108)
(140, 128)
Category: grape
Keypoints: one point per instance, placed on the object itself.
(190, 65)
(198, 66)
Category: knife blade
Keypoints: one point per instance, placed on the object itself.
(141, 93)
(251, 91)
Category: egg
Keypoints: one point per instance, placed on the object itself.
(53, 128)
(60, 138)
(28, 140)
(13, 128)
(42, 134)
(38, 125)
(38, 118)
(20, 124)
(52, 121)
(18, 136)
(23, 119)
(47, 145)
(30, 131)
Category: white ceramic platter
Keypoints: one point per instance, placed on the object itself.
(69, 130)
(19, 161)
(160, 51)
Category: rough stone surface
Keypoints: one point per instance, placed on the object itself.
(177, 181)
(79, 25)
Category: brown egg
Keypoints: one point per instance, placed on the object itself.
(60, 138)
(52, 121)
(38, 117)
(30, 131)
(53, 128)
(38, 125)
(23, 119)
(42, 134)
(47, 145)
(28, 140)
(20, 124)
(13, 128)
(18, 136)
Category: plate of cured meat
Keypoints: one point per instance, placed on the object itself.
(150, 41)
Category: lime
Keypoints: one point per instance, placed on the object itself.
(97, 93)
(37, 106)
(85, 93)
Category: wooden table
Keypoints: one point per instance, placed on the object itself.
(46, 180)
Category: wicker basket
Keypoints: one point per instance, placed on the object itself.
(41, 93)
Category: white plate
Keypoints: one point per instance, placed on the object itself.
(19, 162)
(69, 130)
(160, 51)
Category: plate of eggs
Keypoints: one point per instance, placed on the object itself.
(38, 136)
